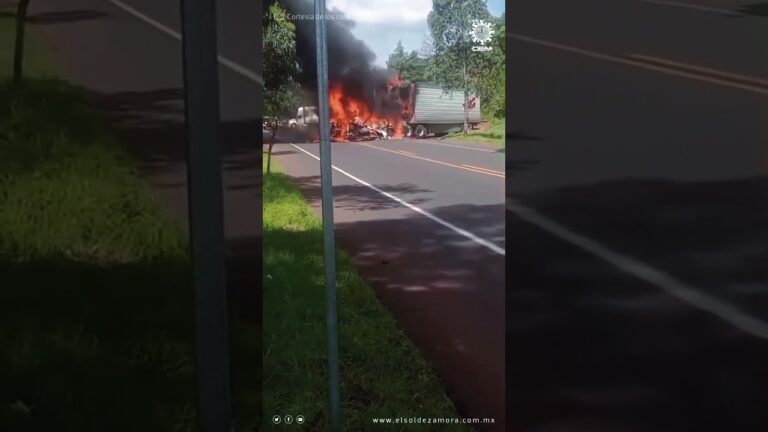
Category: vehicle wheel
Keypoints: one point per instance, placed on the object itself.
(421, 131)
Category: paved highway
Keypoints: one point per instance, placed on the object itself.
(635, 204)
(423, 220)
(636, 223)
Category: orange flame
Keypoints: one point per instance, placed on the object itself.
(344, 108)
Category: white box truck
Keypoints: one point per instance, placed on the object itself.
(431, 109)
(305, 125)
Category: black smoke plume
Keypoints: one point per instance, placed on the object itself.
(350, 61)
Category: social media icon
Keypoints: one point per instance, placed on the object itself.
(276, 419)
(299, 419)
(288, 419)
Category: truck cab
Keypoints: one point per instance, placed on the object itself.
(305, 125)
(305, 116)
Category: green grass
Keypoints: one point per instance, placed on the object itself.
(96, 300)
(382, 373)
(95, 304)
(492, 135)
(34, 62)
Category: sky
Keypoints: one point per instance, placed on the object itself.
(381, 23)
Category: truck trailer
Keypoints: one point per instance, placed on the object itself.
(431, 109)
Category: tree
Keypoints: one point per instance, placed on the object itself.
(18, 53)
(397, 56)
(410, 65)
(455, 63)
(279, 103)
(427, 49)
(492, 83)
(426, 54)
(280, 70)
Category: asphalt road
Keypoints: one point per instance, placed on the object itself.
(424, 220)
(637, 242)
(636, 204)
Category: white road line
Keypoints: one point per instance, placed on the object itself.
(252, 76)
(694, 297)
(718, 72)
(237, 68)
(693, 6)
(724, 311)
(418, 210)
(637, 63)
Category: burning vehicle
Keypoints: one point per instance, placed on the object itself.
(393, 109)
(400, 109)
(364, 116)
(368, 102)
(305, 125)
(360, 130)
(357, 130)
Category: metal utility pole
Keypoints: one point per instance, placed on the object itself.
(466, 100)
(326, 180)
(18, 51)
(201, 88)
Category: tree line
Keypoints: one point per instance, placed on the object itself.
(447, 57)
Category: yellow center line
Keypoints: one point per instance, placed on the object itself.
(641, 64)
(694, 7)
(482, 169)
(692, 67)
(406, 154)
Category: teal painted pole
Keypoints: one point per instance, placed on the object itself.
(206, 227)
(326, 181)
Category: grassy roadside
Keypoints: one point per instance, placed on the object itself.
(492, 135)
(383, 374)
(96, 302)
(35, 64)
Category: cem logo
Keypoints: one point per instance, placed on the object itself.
(481, 33)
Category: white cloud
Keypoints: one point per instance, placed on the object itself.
(381, 23)
(382, 39)
(383, 11)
